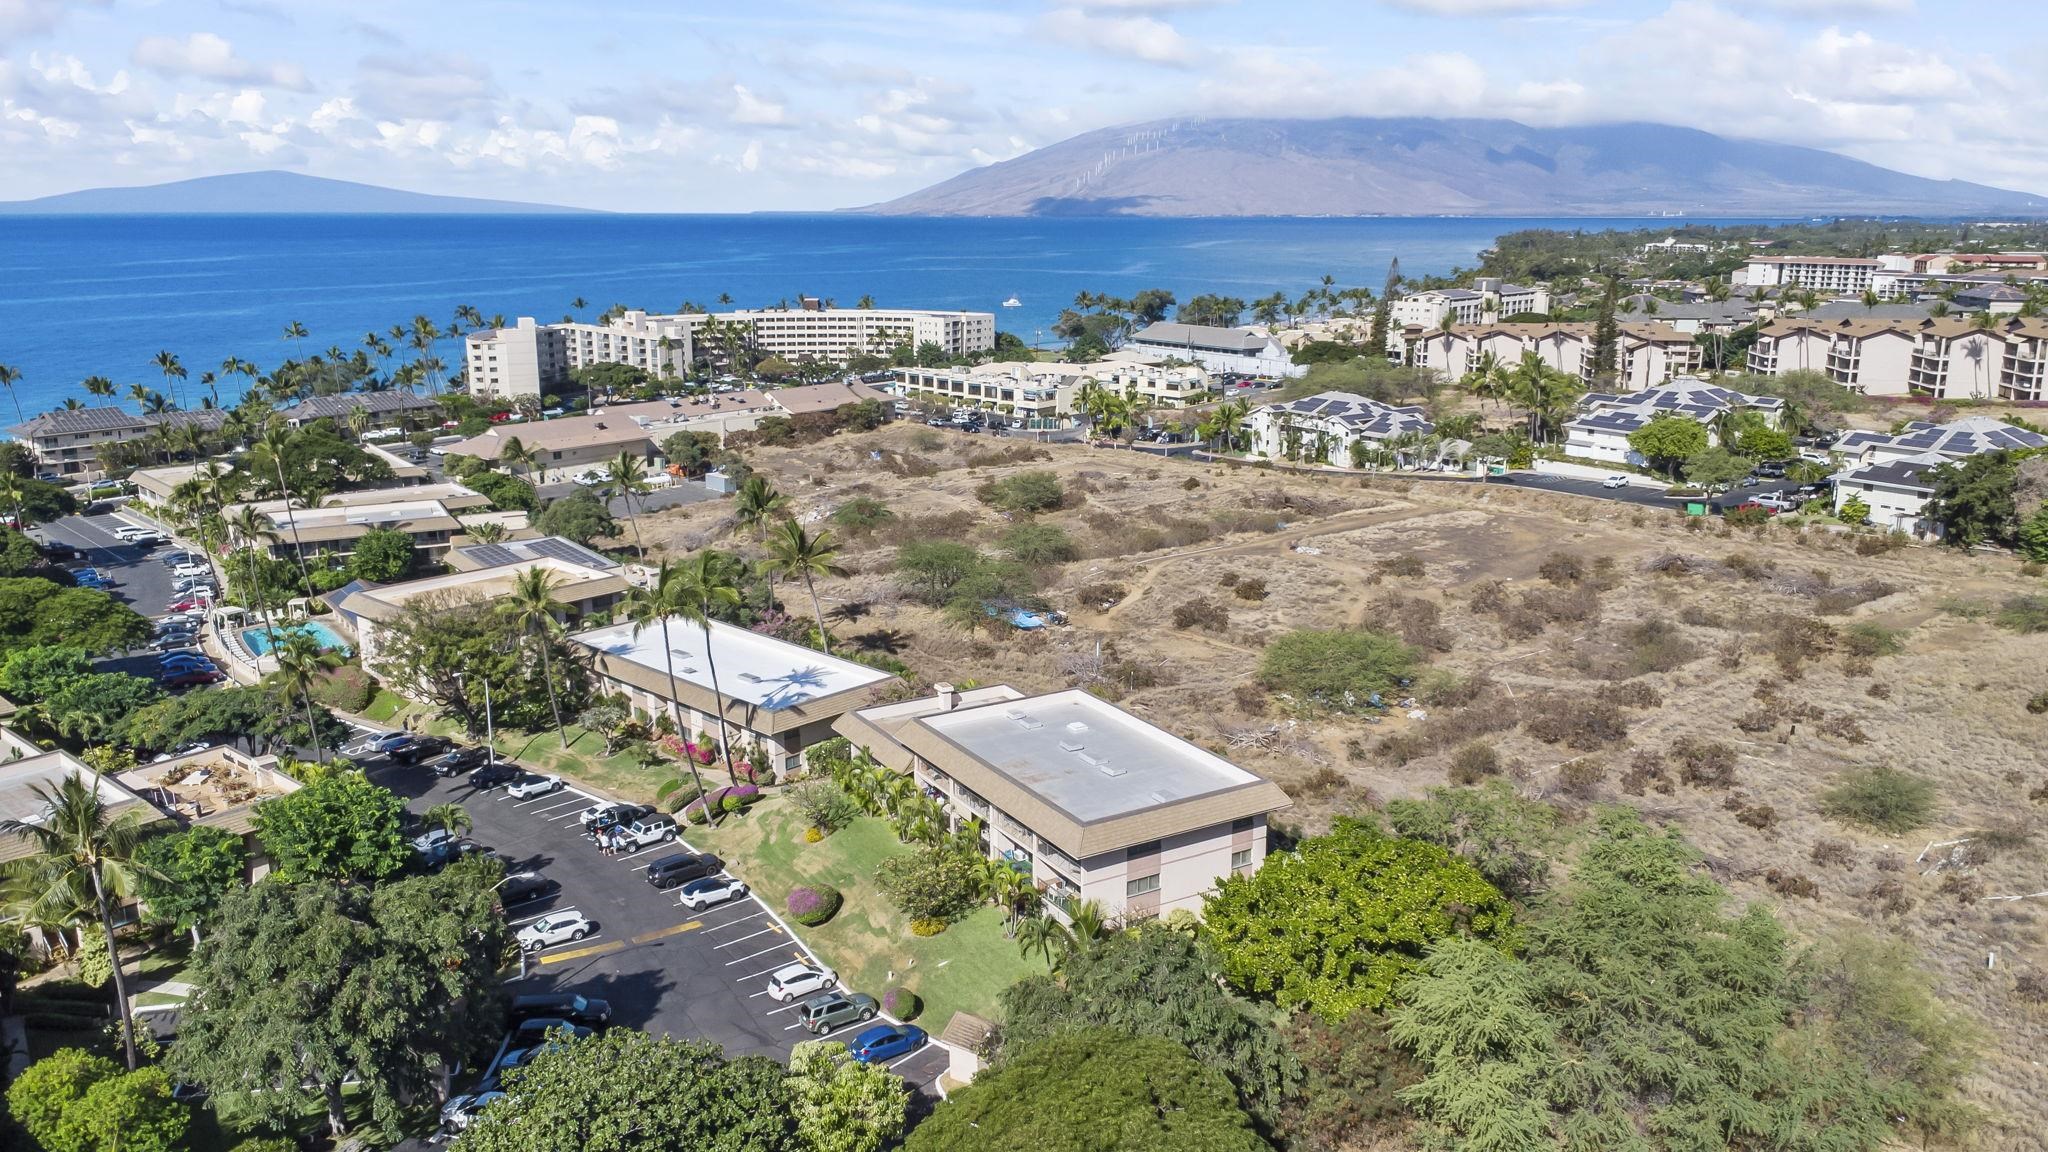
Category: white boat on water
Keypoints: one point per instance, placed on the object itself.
(1013, 302)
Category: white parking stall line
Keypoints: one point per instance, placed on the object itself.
(526, 919)
(762, 952)
(749, 936)
(650, 848)
(758, 975)
(912, 1056)
(577, 803)
(570, 816)
(754, 915)
(785, 1008)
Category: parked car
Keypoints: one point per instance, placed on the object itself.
(682, 867)
(1776, 502)
(592, 478)
(522, 887)
(556, 928)
(459, 760)
(1616, 481)
(126, 532)
(445, 852)
(885, 1042)
(58, 550)
(570, 1006)
(174, 641)
(173, 559)
(190, 583)
(535, 1030)
(420, 748)
(821, 1014)
(492, 775)
(461, 1111)
(188, 661)
(710, 891)
(191, 677)
(389, 741)
(794, 980)
(602, 815)
(532, 784)
(172, 625)
(145, 539)
(432, 839)
(654, 828)
(191, 570)
(189, 604)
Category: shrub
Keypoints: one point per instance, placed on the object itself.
(1103, 595)
(1251, 588)
(934, 883)
(1023, 492)
(1474, 762)
(1039, 545)
(1337, 670)
(1631, 694)
(823, 804)
(2038, 703)
(1581, 778)
(901, 1002)
(1190, 484)
(1833, 854)
(1791, 884)
(1656, 646)
(1579, 723)
(1418, 621)
(1869, 639)
(1703, 763)
(345, 689)
(812, 905)
(1880, 797)
(2024, 614)
(1747, 517)
(814, 835)
(1201, 612)
(927, 926)
(1562, 568)
(1409, 566)
(266, 1144)
(1251, 699)
(1761, 817)
(1400, 748)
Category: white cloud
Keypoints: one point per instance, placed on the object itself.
(20, 19)
(425, 87)
(1138, 37)
(756, 111)
(1485, 7)
(206, 56)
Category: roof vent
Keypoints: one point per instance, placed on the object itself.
(1025, 720)
(1109, 769)
(1071, 745)
(750, 678)
(1076, 726)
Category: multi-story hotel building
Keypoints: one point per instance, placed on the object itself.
(1949, 357)
(1891, 473)
(1086, 799)
(1484, 303)
(1646, 354)
(1820, 273)
(1322, 428)
(1046, 391)
(528, 358)
(66, 442)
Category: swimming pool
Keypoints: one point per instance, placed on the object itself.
(258, 639)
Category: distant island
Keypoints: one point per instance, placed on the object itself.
(1415, 166)
(275, 193)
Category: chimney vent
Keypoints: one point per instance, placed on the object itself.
(948, 696)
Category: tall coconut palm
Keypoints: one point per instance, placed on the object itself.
(139, 393)
(167, 363)
(8, 375)
(300, 661)
(270, 450)
(532, 608)
(652, 606)
(699, 589)
(1545, 392)
(81, 856)
(357, 421)
(627, 474)
(295, 331)
(799, 554)
(1489, 379)
(489, 532)
(256, 535)
(98, 386)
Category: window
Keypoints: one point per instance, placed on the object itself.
(1240, 860)
(1141, 885)
(1135, 851)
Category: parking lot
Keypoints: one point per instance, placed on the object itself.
(139, 581)
(664, 968)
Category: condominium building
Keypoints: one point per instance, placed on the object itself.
(1484, 303)
(66, 442)
(1243, 351)
(1606, 420)
(565, 446)
(1949, 357)
(1891, 473)
(432, 514)
(1646, 353)
(1322, 429)
(388, 409)
(781, 696)
(528, 358)
(584, 583)
(1084, 798)
(1820, 273)
(1045, 391)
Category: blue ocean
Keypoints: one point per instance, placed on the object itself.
(102, 295)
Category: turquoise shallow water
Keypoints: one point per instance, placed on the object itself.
(101, 295)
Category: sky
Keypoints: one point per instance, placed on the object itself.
(693, 106)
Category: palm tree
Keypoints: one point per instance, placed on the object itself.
(295, 331)
(300, 661)
(167, 363)
(757, 504)
(517, 458)
(1544, 391)
(140, 394)
(81, 857)
(1488, 380)
(627, 474)
(652, 606)
(8, 375)
(798, 553)
(532, 608)
(250, 526)
(489, 532)
(1046, 936)
(1090, 923)
(357, 421)
(98, 386)
(270, 448)
(450, 818)
(699, 590)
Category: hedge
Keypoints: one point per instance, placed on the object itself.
(812, 905)
(902, 1003)
(731, 798)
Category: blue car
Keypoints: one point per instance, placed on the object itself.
(885, 1042)
(184, 660)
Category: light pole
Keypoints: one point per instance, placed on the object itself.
(490, 731)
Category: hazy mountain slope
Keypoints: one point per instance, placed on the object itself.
(1419, 166)
(266, 192)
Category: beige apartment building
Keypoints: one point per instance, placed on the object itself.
(1486, 302)
(66, 442)
(1949, 357)
(567, 446)
(1647, 354)
(1048, 391)
(583, 588)
(1088, 800)
(529, 358)
(432, 514)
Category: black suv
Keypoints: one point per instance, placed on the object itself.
(574, 1008)
(682, 868)
(421, 748)
(491, 775)
(460, 760)
(521, 887)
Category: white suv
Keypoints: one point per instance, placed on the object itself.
(556, 928)
(797, 980)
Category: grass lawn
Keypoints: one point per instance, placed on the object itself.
(961, 969)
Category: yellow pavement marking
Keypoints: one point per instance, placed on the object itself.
(677, 930)
(580, 953)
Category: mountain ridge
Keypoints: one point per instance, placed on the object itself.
(1420, 166)
(268, 192)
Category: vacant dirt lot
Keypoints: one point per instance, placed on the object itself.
(1606, 654)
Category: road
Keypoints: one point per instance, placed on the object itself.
(665, 969)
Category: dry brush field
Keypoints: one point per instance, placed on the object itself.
(1593, 653)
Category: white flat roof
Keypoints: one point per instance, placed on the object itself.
(1086, 757)
(753, 669)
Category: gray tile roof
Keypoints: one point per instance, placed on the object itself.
(1626, 412)
(1245, 341)
(72, 421)
(375, 403)
(1956, 439)
(523, 551)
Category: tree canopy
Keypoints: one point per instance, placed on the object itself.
(72, 1101)
(841, 1104)
(1973, 499)
(185, 875)
(1668, 440)
(579, 516)
(1334, 925)
(38, 611)
(339, 828)
(382, 556)
(1336, 670)
(1090, 1090)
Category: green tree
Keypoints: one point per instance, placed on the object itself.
(301, 662)
(38, 611)
(1973, 499)
(1505, 836)
(129, 1112)
(799, 554)
(841, 1104)
(1036, 545)
(80, 860)
(681, 1094)
(1023, 492)
(340, 828)
(38, 671)
(626, 474)
(1157, 982)
(694, 592)
(2032, 538)
(52, 1086)
(1333, 926)
(506, 493)
(1607, 333)
(1853, 511)
(1669, 440)
(95, 703)
(1336, 670)
(301, 986)
(1093, 1090)
(1472, 1018)
(185, 875)
(534, 612)
(579, 516)
(1881, 797)
(937, 882)
(382, 556)
(1212, 309)
(936, 567)
(1715, 467)
(691, 451)
(1760, 441)
(447, 651)
(1352, 1077)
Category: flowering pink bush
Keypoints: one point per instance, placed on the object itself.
(901, 1003)
(813, 905)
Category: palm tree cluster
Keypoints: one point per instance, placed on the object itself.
(1544, 394)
